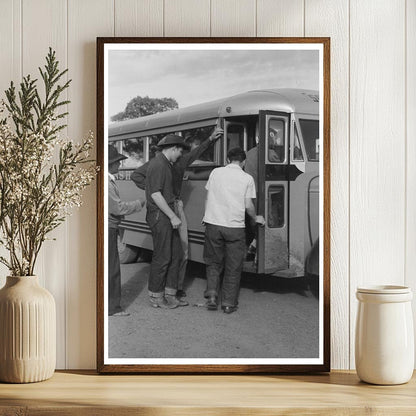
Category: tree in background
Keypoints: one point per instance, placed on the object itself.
(145, 106)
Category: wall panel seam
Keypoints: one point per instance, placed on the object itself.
(304, 17)
(66, 222)
(349, 186)
(13, 31)
(21, 40)
(210, 18)
(405, 144)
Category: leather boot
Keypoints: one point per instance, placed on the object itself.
(173, 300)
(212, 304)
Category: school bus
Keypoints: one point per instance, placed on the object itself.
(281, 128)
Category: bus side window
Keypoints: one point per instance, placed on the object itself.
(153, 141)
(297, 150)
(276, 141)
(310, 134)
(133, 149)
(276, 210)
(194, 137)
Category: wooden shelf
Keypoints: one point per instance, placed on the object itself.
(86, 393)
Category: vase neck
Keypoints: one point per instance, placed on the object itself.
(22, 280)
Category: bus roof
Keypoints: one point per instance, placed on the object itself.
(251, 102)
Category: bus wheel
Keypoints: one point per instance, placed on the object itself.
(127, 253)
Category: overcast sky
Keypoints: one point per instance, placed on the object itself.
(193, 77)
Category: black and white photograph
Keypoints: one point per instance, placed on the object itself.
(213, 209)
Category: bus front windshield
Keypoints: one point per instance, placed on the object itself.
(310, 134)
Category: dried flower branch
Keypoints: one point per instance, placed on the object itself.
(36, 193)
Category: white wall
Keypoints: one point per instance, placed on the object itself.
(373, 129)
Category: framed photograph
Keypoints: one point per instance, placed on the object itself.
(213, 221)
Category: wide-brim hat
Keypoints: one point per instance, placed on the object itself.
(114, 155)
(172, 140)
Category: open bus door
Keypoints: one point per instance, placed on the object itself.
(235, 135)
(273, 192)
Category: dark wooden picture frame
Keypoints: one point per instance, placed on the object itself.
(102, 143)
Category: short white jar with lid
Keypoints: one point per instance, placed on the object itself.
(384, 338)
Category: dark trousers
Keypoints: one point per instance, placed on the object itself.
(167, 255)
(224, 249)
(114, 274)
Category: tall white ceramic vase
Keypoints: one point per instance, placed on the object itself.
(384, 341)
(27, 331)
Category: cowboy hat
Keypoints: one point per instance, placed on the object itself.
(114, 155)
(173, 140)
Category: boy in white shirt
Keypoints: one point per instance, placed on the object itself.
(230, 194)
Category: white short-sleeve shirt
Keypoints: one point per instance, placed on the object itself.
(228, 187)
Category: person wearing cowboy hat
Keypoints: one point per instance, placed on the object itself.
(164, 222)
(117, 209)
(178, 171)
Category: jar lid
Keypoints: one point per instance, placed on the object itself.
(384, 289)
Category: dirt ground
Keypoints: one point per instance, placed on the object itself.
(277, 318)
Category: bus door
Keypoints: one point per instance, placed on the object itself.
(235, 134)
(272, 202)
